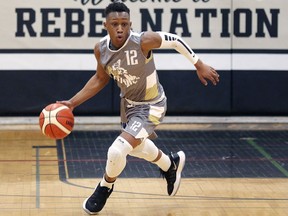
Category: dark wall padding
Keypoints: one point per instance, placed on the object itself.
(28, 92)
(238, 93)
(188, 96)
(260, 92)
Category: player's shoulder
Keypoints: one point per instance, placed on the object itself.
(100, 42)
(134, 36)
(150, 40)
(149, 34)
(142, 38)
(105, 38)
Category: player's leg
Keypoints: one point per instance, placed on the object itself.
(171, 165)
(116, 162)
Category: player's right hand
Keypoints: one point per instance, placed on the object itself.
(66, 103)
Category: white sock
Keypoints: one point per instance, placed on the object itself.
(104, 183)
(164, 162)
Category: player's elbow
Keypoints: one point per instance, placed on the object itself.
(104, 80)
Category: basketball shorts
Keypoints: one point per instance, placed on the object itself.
(140, 119)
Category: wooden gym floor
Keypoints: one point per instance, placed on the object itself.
(230, 170)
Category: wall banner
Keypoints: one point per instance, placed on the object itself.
(220, 27)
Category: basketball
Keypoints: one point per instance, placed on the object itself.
(56, 121)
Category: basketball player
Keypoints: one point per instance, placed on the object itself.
(127, 57)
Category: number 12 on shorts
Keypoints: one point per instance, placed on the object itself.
(135, 126)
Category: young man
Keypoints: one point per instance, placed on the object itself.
(127, 57)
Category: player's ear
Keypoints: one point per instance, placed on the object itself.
(105, 25)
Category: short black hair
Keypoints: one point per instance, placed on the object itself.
(116, 6)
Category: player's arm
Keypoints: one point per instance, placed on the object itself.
(95, 84)
(164, 40)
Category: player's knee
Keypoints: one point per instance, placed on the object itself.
(116, 156)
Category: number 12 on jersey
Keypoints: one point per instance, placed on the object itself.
(131, 57)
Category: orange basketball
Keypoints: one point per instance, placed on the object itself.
(56, 121)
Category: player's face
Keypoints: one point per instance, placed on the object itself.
(118, 26)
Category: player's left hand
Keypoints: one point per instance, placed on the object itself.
(206, 72)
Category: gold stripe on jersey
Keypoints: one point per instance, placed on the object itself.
(151, 86)
(151, 93)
